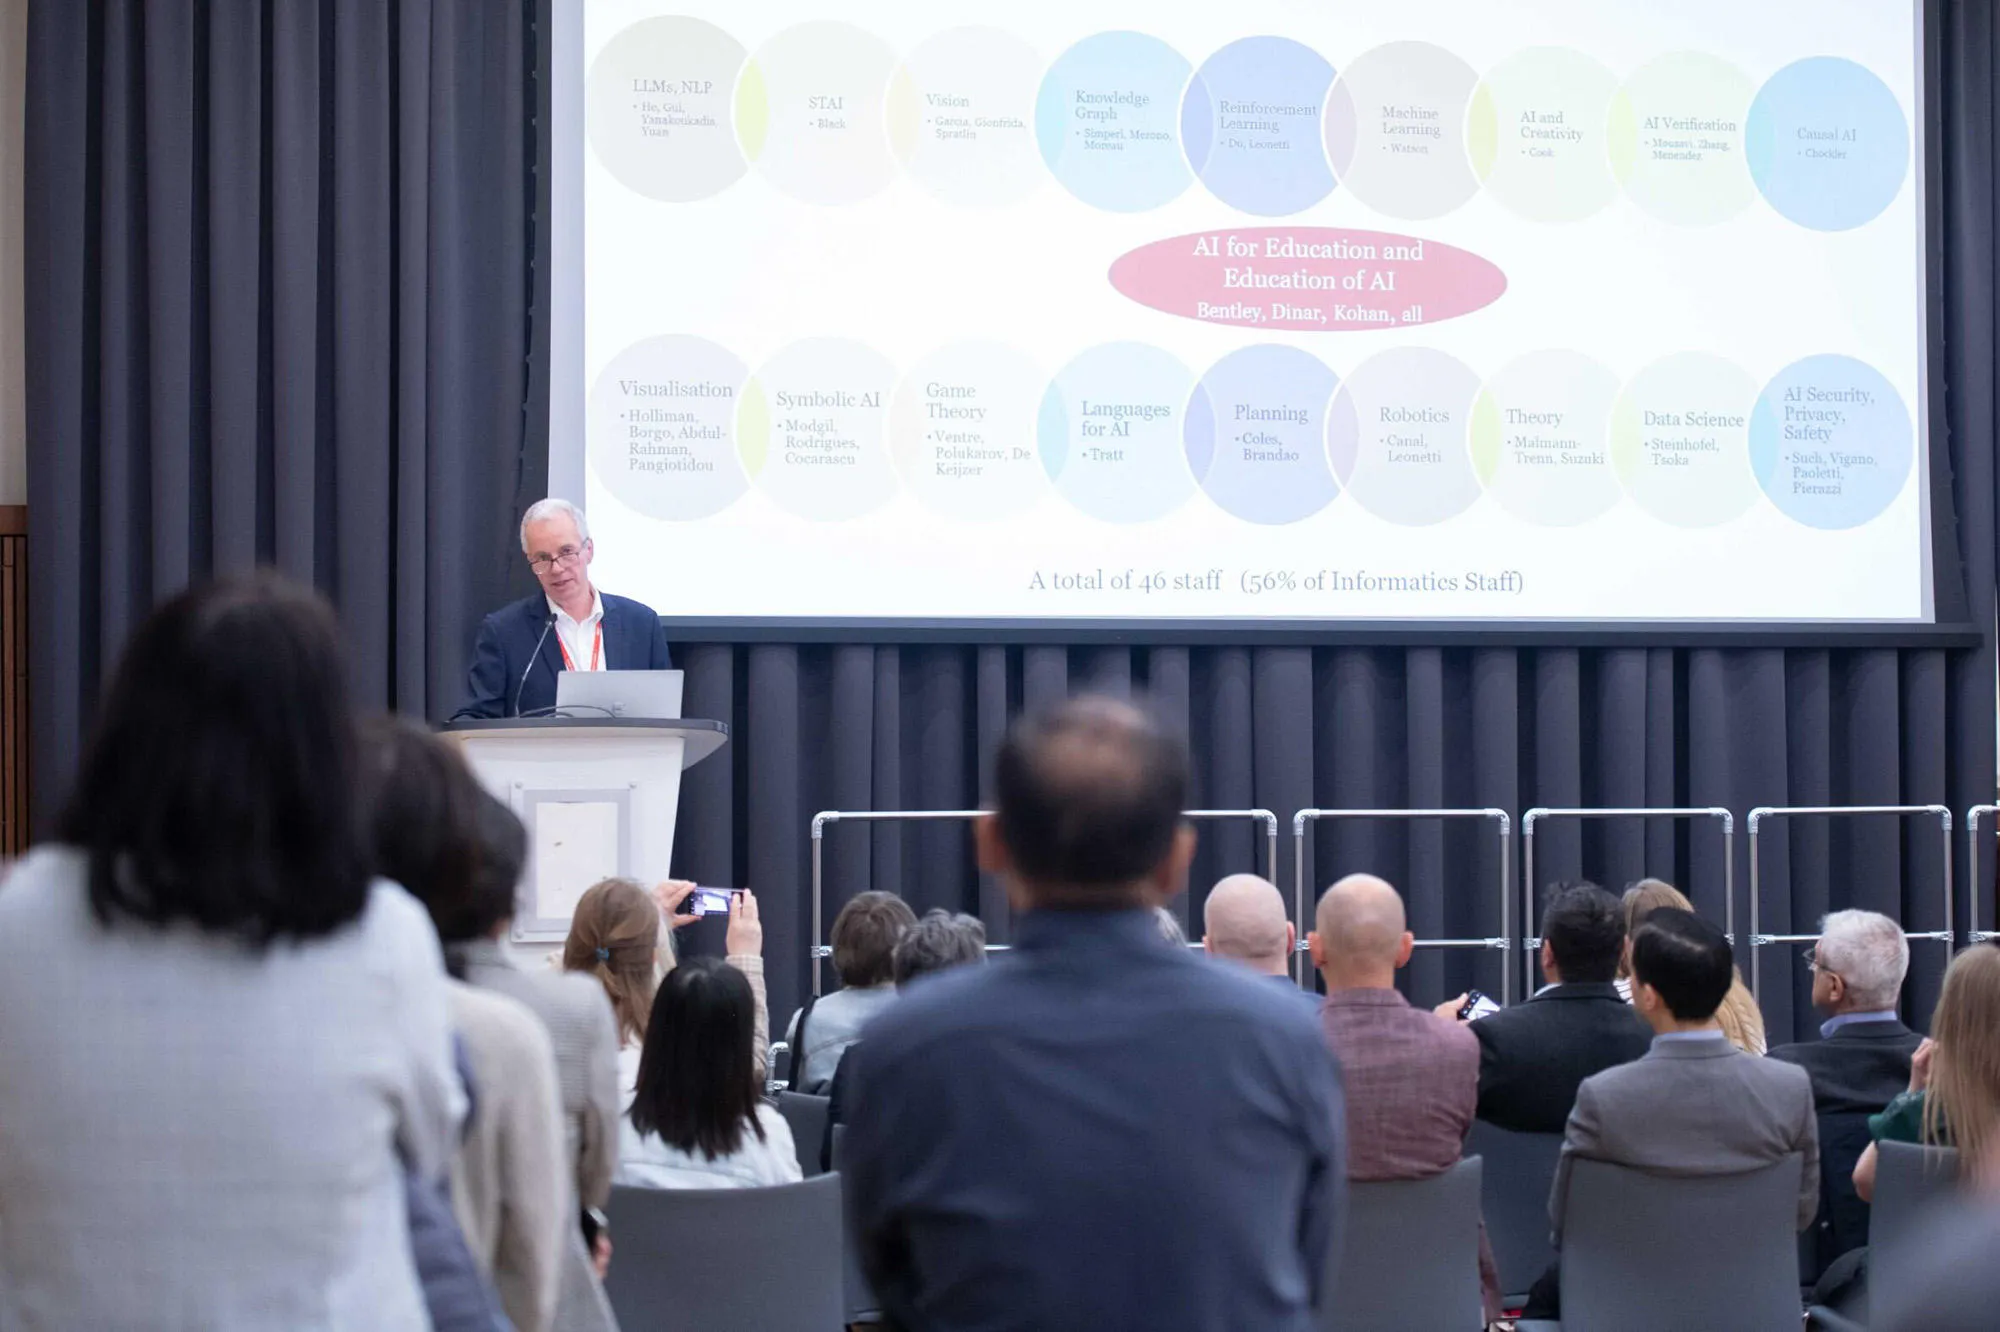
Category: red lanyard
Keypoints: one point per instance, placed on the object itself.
(596, 650)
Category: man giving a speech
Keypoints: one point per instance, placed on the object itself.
(567, 626)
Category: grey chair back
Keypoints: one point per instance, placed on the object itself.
(1658, 1253)
(696, 1260)
(862, 1306)
(1911, 1182)
(806, 1115)
(1514, 1197)
(1409, 1260)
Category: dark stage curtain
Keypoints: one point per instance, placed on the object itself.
(279, 291)
(280, 308)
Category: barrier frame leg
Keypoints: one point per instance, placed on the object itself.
(1974, 888)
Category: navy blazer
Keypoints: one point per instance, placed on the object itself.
(634, 640)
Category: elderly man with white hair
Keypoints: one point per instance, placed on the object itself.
(1860, 1062)
(568, 625)
(1244, 920)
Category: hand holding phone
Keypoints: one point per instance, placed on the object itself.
(1476, 1006)
(707, 902)
(683, 903)
(746, 927)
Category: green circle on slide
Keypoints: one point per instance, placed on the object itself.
(1676, 139)
(1680, 439)
(1536, 133)
(1539, 438)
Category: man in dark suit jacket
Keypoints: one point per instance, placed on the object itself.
(1859, 1064)
(568, 625)
(1533, 1056)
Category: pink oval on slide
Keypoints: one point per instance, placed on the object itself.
(1308, 279)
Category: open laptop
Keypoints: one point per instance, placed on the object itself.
(651, 694)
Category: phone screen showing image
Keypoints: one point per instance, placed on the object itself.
(1476, 1007)
(707, 902)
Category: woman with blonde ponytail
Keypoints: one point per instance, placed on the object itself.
(622, 934)
(1742, 1021)
(615, 936)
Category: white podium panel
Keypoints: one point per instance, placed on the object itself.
(598, 797)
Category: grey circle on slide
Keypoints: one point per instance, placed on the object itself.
(662, 433)
(659, 109)
(1400, 448)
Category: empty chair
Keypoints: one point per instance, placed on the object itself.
(1517, 1171)
(1410, 1256)
(1910, 1183)
(1660, 1253)
(807, 1117)
(704, 1259)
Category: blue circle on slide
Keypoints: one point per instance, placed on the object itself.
(1827, 143)
(1105, 121)
(1256, 434)
(1110, 432)
(1830, 442)
(1253, 125)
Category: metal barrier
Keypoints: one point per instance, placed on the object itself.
(1531, 942)
(1503, 941)
(1973, 933)
(1757, 816)
(820, 951)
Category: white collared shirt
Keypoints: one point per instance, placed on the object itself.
(579, 637)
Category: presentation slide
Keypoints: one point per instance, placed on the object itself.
(1274, 312)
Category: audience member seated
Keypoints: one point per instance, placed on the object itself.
(698, 1119)
(1953, 1099)
(1695, 1104)
(1534, 1055)
(1244, 920)
(1859, 1064)
(572, 1009)
(1411, 1078)
(864, 948)
(509, 1181)
(1742, 1021)
(615, 938)
(224, 1040)
(1095, 1131)
(939, 941)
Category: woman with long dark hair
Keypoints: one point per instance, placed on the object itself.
(223, 1040)
(697, 1119)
